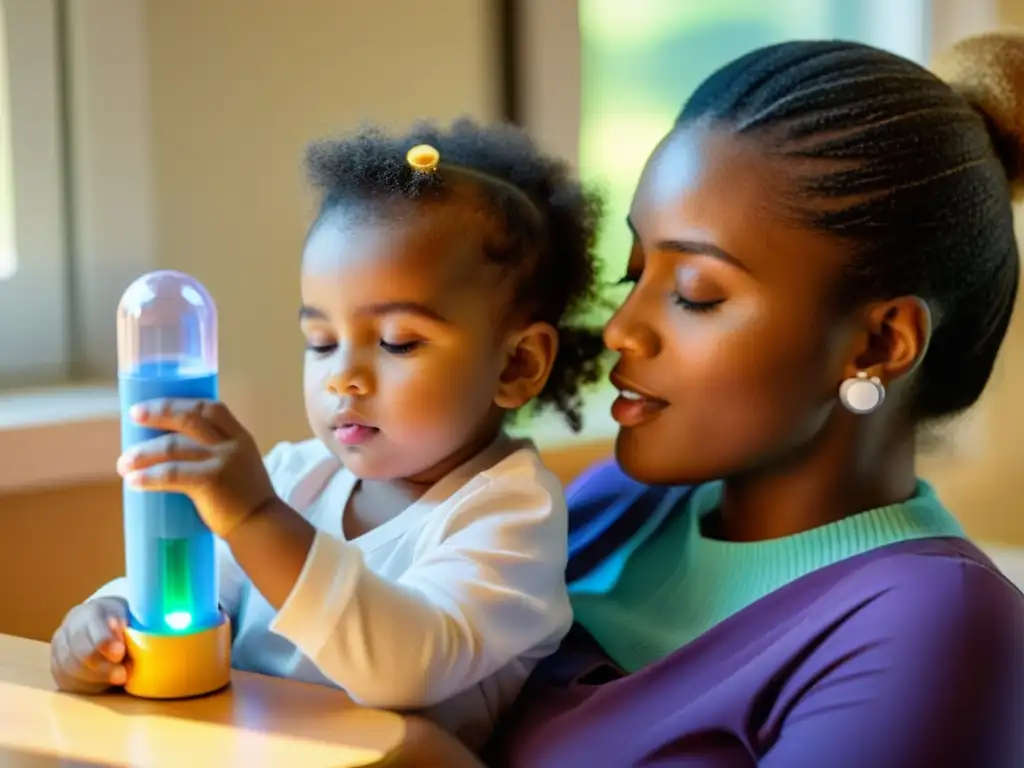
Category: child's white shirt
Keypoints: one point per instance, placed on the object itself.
(446, 608)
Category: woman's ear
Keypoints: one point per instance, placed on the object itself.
(529, 357)
(895, 338)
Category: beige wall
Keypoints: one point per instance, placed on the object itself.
(233, 104)
(1011, 12)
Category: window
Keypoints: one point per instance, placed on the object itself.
(34, 320)
(639, 67)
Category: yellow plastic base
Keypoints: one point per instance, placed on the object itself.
(178, 666)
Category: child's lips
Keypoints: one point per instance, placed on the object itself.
(352, 434)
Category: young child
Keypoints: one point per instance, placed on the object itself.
(412, 553)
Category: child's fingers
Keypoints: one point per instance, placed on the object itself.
(112, 649)
(172, 447)
(96, 650)
(67, 672)
(117, 627)
(174, 477)
(205, 421)
(118, 675)
(87, 654)
(75, 659)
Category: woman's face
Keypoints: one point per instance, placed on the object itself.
(729, 336)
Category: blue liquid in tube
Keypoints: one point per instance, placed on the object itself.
(167, 349)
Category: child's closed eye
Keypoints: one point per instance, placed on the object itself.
(392, 348)
(403, 348)
(321, 349)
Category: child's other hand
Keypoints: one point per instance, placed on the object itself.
(87, 653)
(207, 456)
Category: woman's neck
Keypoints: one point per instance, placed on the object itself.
(824, 485)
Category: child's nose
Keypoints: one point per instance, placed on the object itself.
(351, 380)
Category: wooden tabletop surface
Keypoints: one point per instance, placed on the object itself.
(257, 721)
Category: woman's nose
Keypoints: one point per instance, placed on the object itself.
(629, 335)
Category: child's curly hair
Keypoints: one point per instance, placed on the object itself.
(545, 224)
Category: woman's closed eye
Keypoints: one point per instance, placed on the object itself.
(694, 306)
(695, 291)
(689, 304)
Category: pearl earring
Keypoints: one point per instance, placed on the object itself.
(862, 394)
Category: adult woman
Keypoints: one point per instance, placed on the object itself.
(824, 259)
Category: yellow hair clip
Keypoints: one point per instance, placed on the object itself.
(423, 158)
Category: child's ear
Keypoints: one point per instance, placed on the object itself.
(529, 356)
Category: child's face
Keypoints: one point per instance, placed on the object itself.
(404, 357)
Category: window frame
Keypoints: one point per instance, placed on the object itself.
(35, 319)
(60, 424)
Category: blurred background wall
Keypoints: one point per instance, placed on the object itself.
(174, 140)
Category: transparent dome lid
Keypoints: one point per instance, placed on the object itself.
(166, 325)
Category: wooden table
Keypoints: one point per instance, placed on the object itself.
(257, 721)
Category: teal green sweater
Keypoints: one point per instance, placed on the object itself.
(670, 588)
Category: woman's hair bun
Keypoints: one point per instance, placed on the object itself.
(988, 69)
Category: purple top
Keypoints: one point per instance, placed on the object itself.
(910, 655)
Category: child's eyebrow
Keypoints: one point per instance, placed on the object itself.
(403, 308)
(377, 310)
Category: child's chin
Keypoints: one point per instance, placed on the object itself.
(366, 469)
(366, 466)
(383, 465)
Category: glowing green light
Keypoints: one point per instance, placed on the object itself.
(178, 620)
(177, 588)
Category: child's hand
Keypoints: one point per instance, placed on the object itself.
(207, 456)
(87, 650)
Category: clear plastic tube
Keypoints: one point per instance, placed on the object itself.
(166, 347)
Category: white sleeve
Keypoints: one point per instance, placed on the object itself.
(493, 590)
(231, 580)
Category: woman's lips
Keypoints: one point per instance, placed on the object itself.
(631, 409)
(634, 406)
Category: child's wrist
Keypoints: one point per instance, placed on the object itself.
(237, 526)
